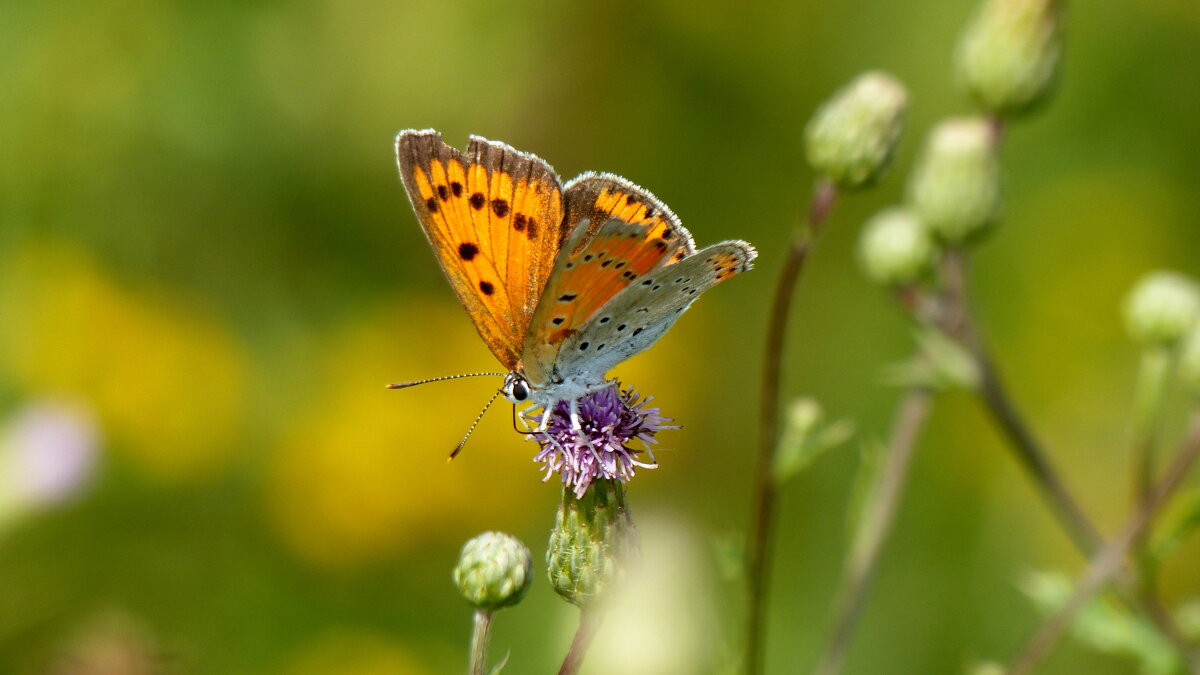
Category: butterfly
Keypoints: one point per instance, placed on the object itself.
(562, 282)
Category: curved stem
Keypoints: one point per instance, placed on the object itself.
(758, 550)
(589, 622)
(479, 641)
(1150, 395)
(875, 527)
(1108, 562)
(1025, 446)
(1031, 455)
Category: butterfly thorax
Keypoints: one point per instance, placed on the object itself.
(519, 389)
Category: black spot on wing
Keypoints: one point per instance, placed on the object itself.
(467, 250)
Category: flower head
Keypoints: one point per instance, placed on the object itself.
(895, 247)
(852, 137)
(1162, 308)
(48, 453)
(599, 447)
(1009, 56)
(955, 186)
(493, 571)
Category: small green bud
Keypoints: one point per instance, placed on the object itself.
(1162, 309)
(955, 185)
(591, 542)
(852, 136)
(895, 248)
(493, 571)
(807, 434)
(1008, 58)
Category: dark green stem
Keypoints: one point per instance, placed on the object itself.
(758, 548)
(1107, 563)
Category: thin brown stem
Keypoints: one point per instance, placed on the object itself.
(1108, 562)
(957, 322)
(758, 549)
(877, 522)
(589, 623)
(1032, 457)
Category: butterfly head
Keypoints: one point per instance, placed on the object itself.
(516, 387)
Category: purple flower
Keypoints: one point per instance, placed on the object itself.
(609, 419)
(49, 450)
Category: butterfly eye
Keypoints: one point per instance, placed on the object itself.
(519, 392)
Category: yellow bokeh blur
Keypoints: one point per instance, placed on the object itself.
(361, 473)
(166, 377)
(348, 651)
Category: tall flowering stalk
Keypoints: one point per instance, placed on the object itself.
(849, 143)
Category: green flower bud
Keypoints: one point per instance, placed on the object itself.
(895, 248)
(852, 136)
(807, 434)
(1162, 309)
(955, 185)
(493, 571)
(1009, 55)
(591, 543)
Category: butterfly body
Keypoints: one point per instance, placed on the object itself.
(561, 282)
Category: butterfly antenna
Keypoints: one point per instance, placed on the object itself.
(406, 385)
(458, 448)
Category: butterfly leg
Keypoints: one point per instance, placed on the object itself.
(544, 423)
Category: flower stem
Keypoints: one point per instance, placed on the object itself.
(589, 622)
(1108, 562)
(758, 551)
(1154, 378)
(479, 641)
(1029, 452)
(957, 322)
(863, 562)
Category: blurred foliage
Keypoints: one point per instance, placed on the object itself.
(202, 237)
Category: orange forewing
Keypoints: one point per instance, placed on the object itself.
(494, 217)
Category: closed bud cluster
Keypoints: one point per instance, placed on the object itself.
(895, 248)
(494, 571)
(1162, 309)
(955, 185)
(592, 541)
(1008, 58)
(852, 137)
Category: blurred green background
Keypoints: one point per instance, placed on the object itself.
(208, 268)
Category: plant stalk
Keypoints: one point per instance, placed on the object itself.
(479, 641)
(759, 547)
(1108, 562)
(877, 521)
(589, 623)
